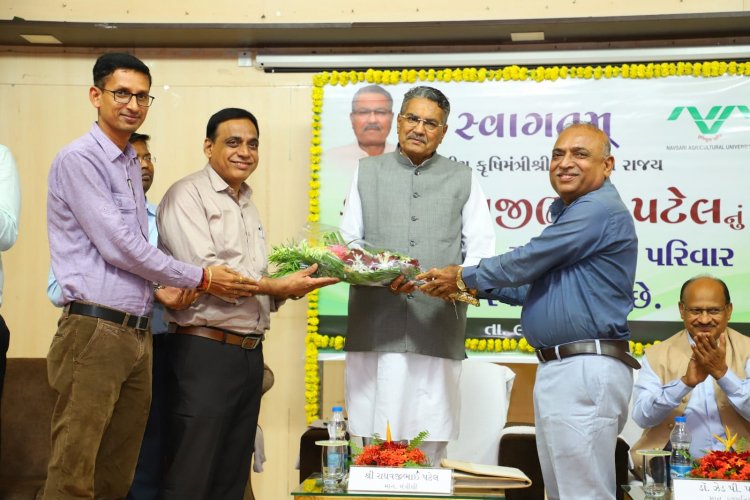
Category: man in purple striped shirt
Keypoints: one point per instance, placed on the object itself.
(99, 361)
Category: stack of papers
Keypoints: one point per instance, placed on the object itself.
(467, 475)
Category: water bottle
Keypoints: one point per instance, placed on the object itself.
(337, 425)
(335, 460)
(681, 463)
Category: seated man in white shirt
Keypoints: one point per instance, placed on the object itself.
(700, 372)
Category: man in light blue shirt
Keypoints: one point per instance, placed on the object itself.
(701, 372)
(10, 210)
(575, 283)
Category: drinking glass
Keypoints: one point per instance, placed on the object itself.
(334, 463)
(654, 472)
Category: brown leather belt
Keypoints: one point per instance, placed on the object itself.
(617, 349)
(245, 341)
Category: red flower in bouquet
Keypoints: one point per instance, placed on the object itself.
(729, 465)
(339, 251)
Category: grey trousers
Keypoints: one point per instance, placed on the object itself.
(581, 405)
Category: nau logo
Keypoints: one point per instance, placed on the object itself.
(714, 119)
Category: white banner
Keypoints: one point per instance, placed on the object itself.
(681, 148)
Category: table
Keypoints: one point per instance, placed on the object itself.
(312, 489)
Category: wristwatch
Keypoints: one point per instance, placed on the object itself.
(460, 281)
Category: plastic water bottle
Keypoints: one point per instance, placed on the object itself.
(334, 465)
(337, 425)
(681, 463)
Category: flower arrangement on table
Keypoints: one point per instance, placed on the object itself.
(389, 453)
(732, 463)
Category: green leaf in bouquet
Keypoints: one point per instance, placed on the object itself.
(333, 238)
(289, 259)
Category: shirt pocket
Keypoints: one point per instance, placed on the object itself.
(124, 202)
(127, 208)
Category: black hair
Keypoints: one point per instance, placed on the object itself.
(135, 137)
(227, 114)
(108, 63)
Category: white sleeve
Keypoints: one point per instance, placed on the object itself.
(477, 230)
(737, 390)
(10, 199)
(352, 225)
(652, 401)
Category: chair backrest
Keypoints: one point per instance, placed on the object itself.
(518, 449)
(25, 417)
(485, 398)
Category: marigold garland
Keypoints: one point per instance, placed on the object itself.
(336, 343)
(312, 379)
(704, 69)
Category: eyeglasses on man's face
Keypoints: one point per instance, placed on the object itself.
(147, 159)
(696, 312)
(414, 121)
(124, 97)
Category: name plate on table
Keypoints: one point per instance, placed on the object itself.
(400, 480)
(710, 489)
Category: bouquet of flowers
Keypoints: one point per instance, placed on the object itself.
(724, 464)
(392, 454)
(337, 259)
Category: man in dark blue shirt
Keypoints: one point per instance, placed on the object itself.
(575, 283)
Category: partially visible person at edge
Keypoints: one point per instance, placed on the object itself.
(404, 350)
(371, 118)
(701, 372)
(100, 254)
(215, 355)
(575, 283)
(149, 471)
(10, 211)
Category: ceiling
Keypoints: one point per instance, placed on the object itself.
(717, 29)
(724, 29)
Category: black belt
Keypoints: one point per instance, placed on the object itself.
(246, 341)
(617, 349)
(108, 314)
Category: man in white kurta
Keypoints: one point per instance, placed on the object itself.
(404, 349)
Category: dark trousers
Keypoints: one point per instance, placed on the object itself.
(213, 394)
(149, 472)
(4, 343)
